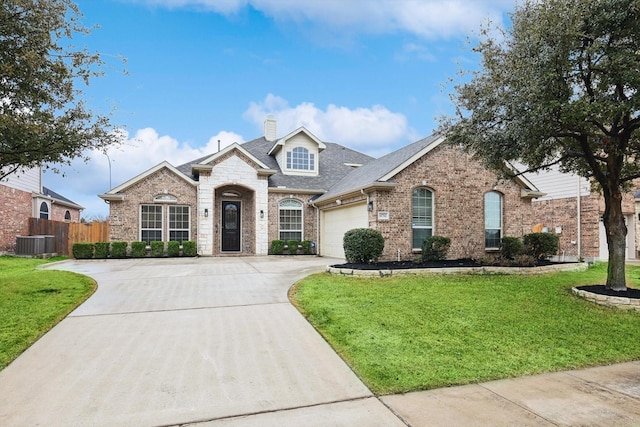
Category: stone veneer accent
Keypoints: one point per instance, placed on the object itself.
(16, 208)
(621, 303)
(459, 184)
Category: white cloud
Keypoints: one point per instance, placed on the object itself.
(425, 18)
(374, 130)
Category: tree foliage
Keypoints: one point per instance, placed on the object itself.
(560, 87)
(43, 118)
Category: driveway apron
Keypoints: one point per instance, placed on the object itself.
(187, 341)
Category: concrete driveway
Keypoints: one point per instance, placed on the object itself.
(180, 341)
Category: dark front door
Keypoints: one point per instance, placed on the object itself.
(231, 226)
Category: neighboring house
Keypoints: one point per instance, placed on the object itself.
(578, 221)
(22, 196)
(297, 187)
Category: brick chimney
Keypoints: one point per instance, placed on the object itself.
(270, 128)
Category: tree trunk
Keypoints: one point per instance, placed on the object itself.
(616, 231)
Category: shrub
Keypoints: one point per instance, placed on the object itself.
(138, 249)
(524, 260)
(510, 247)
(101, 250)
(118, 249)
(362, 245)
(540, 245)
(173, 248)
(157, 249)
(277, 247)
(435, 248)
(82, 250)
(306, 247)
(292, 247)
(189, 248)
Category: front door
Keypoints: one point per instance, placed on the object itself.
(231, 226)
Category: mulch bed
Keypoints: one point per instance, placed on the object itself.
(601, 290)
(448, 263)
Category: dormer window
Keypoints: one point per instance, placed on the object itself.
(301, 159)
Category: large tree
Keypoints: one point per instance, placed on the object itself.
(43, 119)
(560, 87)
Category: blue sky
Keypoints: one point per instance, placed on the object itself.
(368, 74)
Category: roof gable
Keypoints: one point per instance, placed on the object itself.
(150, 172)
(280, 143)
(230, 148)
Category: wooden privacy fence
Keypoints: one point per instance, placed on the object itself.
(68, 233)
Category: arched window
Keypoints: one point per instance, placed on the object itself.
(300, 158)
(492, 220)
(67, 216)
(290, 224)
(44, 210)
(422, 220)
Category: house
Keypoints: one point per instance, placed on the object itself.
(298, 187)
(578, 220)
(22, 196)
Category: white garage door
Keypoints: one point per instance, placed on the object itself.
(630, 252)
(336, 222)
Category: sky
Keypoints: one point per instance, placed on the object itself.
(181, 75)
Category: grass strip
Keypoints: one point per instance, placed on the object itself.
(33, 301)
(415, 333)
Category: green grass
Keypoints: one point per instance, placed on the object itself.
(33, 301)
(416, 333)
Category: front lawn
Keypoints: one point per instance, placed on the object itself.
(414, 333)
(33, 301)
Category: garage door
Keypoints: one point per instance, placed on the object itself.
(336, 222)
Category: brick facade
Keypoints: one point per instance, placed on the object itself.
(309, 216)
(459, 184)
(15, 210)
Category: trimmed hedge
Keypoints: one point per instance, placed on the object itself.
(173, 248)
(362, 245)
(138, 249)
(101, 250)
(83, 250)
(435, 248)
(306, 247)
(510, 247)
(118, 249)
(277, 247)
(189, 248)
(157, 249)
(292, 247)
(540, 245)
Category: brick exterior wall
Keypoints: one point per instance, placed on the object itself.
(458, 184)
(15, 210)
(124, 216)
(309, 216)
(58, 211)
(247, 218)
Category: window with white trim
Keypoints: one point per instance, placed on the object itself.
(422, 219)
(179, 223)
(290, 224)
(44, 210)
(301, 159)
(150, 223)
(492, 220)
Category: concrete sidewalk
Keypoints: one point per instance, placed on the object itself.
(215, 342)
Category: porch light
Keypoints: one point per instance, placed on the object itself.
(206, 212)
(261, 214)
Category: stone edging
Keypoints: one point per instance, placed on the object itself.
(621, 303)
(459, 270)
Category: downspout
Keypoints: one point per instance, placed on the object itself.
(317, 228)
(579, 209)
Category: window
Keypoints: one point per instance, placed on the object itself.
(179, 223)
(300, 158)
(290, 220)
(492, 220)
(67, 216)
(44, 210)
(151, 223)
(422, 221)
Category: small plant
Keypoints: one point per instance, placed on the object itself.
(524, 260)
(510, 247)
(173, 248)
(82, 250)
(277, 247)
(541, 245)
(157, 249)
(189, 248)
(435, 248)
(306, 247)
(292, 247)
(138, 249)
(118, 249)
(362, 245)
(488, 259)
(101, 250)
